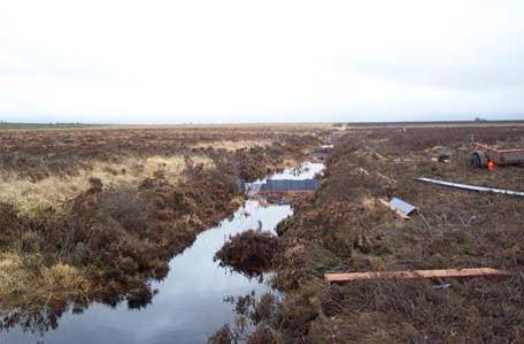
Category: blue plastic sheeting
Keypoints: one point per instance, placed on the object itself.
(402, 207)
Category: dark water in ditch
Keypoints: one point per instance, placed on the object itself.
(189, 306)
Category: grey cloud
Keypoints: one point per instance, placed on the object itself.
(480, 62)
(458, 72)
(33, 63)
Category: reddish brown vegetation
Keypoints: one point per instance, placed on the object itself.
(344, 228)
(121, 236)
(251, 252)
(38, 154)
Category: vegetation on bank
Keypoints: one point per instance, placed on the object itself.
(344, 227)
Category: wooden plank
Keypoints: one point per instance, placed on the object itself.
(446, 273)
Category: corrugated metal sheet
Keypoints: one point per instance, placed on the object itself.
(281, 185)
(402, 207)
(284, 185)
(241, 183)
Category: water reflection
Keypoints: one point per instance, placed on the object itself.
(187, 309)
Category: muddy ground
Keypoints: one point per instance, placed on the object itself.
(98, 212)
(344, 228)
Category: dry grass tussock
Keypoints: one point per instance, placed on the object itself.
(55, 189)
(10, 273)
(22, 276)
(232, 146)
(63, 276)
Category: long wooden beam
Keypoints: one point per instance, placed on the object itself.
(455, 273)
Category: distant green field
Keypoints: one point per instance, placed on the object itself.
(35, 126)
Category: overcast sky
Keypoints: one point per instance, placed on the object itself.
(259, 61)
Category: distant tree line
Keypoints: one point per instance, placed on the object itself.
(19, 125)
